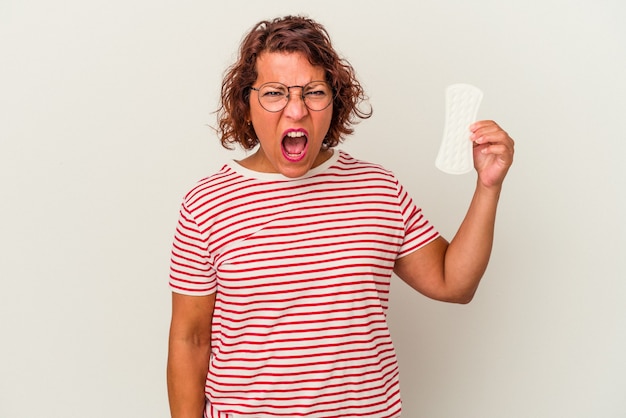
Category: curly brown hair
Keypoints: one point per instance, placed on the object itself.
(288, 34)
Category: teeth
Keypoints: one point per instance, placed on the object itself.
(295, 134)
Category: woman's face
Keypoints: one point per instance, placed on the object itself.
(290, 139)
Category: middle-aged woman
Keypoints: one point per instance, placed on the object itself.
(282, 261)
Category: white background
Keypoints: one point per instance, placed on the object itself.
(105, 109)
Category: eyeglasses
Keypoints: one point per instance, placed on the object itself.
(273, 97)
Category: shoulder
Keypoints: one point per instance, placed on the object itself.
(355, 166)
(350, 167)
(209, 188)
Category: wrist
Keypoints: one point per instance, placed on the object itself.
(492, 191)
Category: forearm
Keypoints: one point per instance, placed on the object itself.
(187, 367)
(468, 254)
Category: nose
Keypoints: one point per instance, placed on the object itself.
(295, 109)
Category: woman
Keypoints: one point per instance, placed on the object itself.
(282, 261)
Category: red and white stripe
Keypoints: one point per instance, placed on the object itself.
(302, 269)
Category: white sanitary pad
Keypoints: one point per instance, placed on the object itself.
(455, 153)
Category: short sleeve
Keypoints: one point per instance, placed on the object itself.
(418, 229)
(191, 269)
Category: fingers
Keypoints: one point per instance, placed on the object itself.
(487, 131)
(498, 150)
(493, 152)
(490, 133)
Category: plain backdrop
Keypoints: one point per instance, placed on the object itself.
(105, 122)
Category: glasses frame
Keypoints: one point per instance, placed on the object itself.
(288, 96)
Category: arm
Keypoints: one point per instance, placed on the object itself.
(189, 353)
(452, 271)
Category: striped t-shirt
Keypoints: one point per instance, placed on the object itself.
(302, 269)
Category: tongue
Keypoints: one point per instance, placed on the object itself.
(294, 145)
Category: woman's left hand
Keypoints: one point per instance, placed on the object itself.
(493, 152)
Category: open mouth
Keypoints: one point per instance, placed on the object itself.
(294, 145)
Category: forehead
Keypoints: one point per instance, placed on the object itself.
(290, 68)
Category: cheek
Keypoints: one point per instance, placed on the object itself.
(263, 123)
(326, 122)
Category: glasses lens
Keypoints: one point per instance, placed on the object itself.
(317, 95)
(273, 96)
